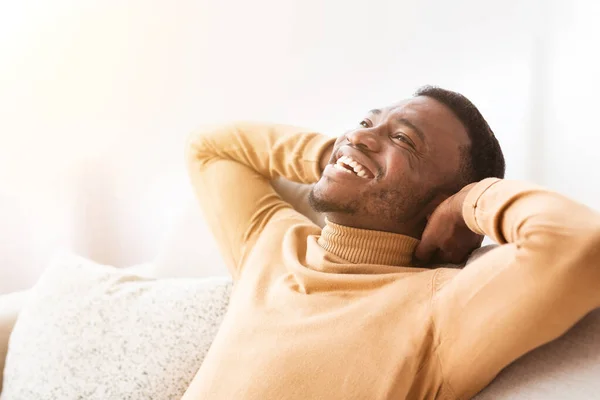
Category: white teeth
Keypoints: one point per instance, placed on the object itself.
(345, 160)
(338, 166)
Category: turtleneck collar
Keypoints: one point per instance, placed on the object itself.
(363, 246)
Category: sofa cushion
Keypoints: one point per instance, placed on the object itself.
(566, 368)
(96, 332)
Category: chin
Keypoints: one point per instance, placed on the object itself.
(325, 197)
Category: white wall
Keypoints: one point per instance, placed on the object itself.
(570, 135)
(96, 98)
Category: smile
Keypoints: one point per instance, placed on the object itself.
(351, 166)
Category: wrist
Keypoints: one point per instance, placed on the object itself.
(460, 198)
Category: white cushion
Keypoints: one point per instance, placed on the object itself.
(567, 368)
(10, 305)
(89, 331)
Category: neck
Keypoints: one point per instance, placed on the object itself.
(410, 228)
(365, 246)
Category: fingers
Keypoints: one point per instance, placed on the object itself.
(429, 245)
(456, 257)
(425, 250)
(453, 253)
(459, 252)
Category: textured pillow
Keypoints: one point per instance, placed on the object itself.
(96, 332)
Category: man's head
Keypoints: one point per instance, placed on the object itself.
(403, 160)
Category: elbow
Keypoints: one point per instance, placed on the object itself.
(587, 230)
(193, 147)
(584, 246)
(210, 142)
(201, 145)
(567, 245)
(592, 240)
(197, 143)
(583, 264)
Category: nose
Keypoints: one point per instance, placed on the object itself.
(365, 139)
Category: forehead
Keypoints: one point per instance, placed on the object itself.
(437, 121)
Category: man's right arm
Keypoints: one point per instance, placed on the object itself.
(231, 167)
(532, 289)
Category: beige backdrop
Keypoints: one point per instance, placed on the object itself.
(96, 98)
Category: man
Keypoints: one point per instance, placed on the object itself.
(365, 309)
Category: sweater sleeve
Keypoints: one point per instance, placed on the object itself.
(523, 294)
(230, 168)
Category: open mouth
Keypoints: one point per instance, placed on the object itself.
(351, 166)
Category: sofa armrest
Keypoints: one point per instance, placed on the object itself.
(10, 305)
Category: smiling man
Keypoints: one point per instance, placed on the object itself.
(366, 308)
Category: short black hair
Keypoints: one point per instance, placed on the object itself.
(484, 158)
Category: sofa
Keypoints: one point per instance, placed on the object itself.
(567, 368)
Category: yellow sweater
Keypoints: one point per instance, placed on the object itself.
(341, 314)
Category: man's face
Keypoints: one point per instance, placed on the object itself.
(394, 168)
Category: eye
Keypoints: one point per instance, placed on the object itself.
(365, 123)
(403, 138)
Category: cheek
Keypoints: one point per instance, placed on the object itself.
(438, 173)
(402, 167)
(445, 163)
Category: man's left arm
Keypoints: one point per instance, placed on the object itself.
(231, 167)
(529, 291)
